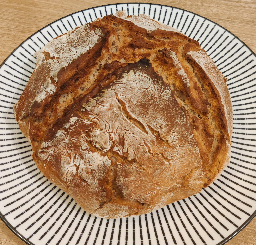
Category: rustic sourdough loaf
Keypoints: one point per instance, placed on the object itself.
(126, 115)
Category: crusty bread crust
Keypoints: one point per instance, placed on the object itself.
(126, 115)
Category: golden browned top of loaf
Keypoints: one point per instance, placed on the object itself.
(126, 115)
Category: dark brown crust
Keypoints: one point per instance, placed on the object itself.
(53, 114)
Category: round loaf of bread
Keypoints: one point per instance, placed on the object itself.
(126, 115)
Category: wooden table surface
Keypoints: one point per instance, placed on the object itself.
(21, 18)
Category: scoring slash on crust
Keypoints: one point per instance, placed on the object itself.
(126, 115)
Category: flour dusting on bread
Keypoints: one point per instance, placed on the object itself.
(126, 115)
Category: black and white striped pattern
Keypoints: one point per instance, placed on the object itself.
(40, 213)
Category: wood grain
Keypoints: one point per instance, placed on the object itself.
(20, 19)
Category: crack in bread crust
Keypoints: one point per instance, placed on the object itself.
(133, 120)
(128, 123)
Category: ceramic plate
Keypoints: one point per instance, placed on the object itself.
(40, 213)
